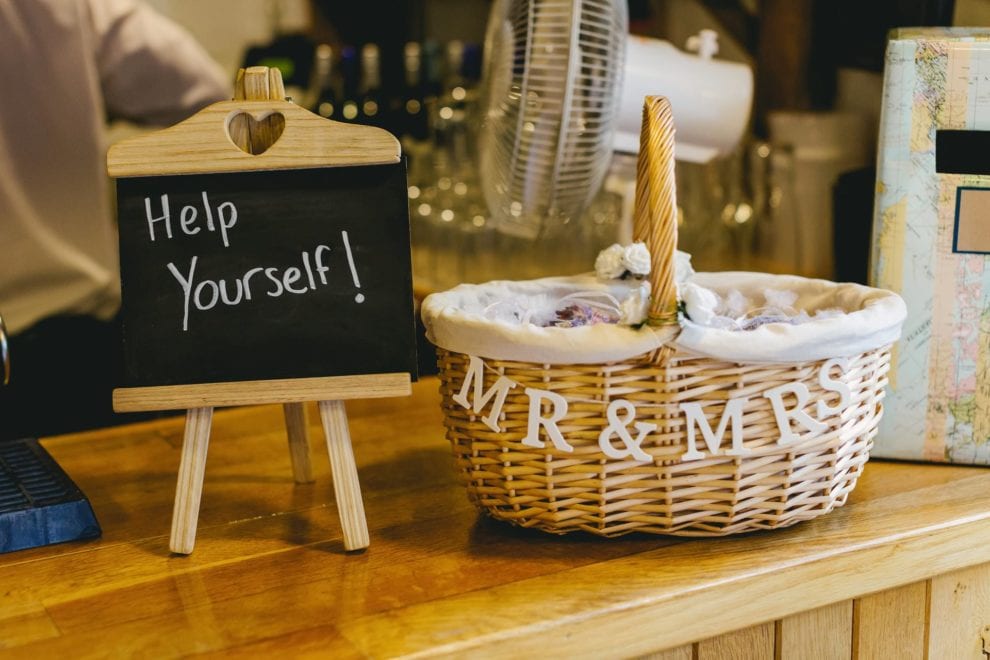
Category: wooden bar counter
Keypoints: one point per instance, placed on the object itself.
(902, 571)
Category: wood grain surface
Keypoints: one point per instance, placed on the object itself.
(961, 601)
(206, 143)
(892, 623)
(754, 643)
(346, 486)
(822, 634)
(288, 390)
(270, 575)
(189, 486)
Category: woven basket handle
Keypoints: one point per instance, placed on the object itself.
(656, 207)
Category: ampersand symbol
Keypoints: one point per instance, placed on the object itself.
(618, 426)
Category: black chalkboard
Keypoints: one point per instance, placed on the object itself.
(265, 275)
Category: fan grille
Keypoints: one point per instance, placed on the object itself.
(553, 82)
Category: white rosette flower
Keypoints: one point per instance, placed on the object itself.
(636, 259)
(636, 307)
(609, 265)
(700, 303)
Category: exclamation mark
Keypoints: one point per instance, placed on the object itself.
(350, 261)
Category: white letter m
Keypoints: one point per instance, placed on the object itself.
(695, 416)
(498, 391)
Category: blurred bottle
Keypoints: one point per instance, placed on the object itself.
(372, 105)
(412, 122)
(452, 66)
(446, 123)
(421, 66)
(432, 80)
(350, 103)
(471, 70)
(462, 97)
(412, 125)
(322, 94)
(453, 240)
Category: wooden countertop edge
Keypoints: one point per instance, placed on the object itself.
(652, 600)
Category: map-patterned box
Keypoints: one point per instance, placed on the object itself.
(931, 243)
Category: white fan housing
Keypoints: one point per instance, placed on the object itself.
(553, 77)
(555, 102)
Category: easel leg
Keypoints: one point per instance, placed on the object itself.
(345, 477)
(185, 514)
(295, 426)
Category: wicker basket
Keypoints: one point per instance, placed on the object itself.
(761, 484)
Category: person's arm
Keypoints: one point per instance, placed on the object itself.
(151, 70)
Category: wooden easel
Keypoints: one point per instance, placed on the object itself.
(260, 121)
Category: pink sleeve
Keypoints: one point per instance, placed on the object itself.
(151, 70)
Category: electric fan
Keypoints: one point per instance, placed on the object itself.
(554, 96)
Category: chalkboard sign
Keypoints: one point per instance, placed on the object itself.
(264, 259)
(266, 275)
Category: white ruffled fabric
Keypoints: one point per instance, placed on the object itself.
(457, 321)
(873, 318)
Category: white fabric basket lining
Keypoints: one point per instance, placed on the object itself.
(455, 321)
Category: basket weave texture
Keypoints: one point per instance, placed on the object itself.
(773, 485)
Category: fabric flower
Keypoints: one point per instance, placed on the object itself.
(636, 259)
(699, 303)
(609, 264)
(636, 306)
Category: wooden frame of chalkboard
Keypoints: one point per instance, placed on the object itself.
(264, 259)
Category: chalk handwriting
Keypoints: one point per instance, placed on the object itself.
(188, 220)
(205, 294)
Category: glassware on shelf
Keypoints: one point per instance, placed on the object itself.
(322, 95)
(350, 106)
(372, 104)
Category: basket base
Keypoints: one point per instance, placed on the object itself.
(619, 528)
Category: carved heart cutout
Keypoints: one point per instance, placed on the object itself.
(255, 136)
